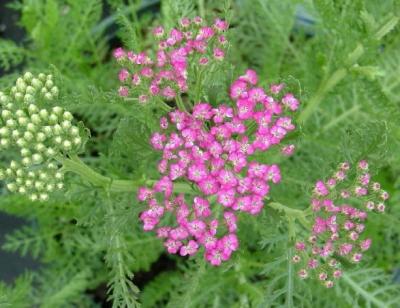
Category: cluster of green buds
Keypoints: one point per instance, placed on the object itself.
(41, 136)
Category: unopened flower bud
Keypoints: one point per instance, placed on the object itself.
(33, 197)
(36, 83)
(31, 127)
(48, 96)
(4, 142)
(28, 76)
(53, 118)
(40, 147)
(49, 84)
(42, 77)
(28, 98)
(57, 110)
(28, 136)
(44, 197)
(11, 187)
(50, 152)
(66, 125)
(30, 90)
(19, 97)
(54, 90)
(26, 161)
(44, 114)
(35, 118)
(68, 116)
(25, 152)
(77, 141)
(11, 123)
(4, 131)
(67, 145)
(37, 158)
(23, 121)
(33, 109)
(74, 131)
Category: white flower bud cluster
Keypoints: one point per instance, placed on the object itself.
(29, 87)
(40, 135)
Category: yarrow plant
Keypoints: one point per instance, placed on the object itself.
(40, 135)
(164, 74)
(340, 208)
(212, 148)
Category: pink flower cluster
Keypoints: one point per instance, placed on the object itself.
(210, 148)
(338, 227)
(166, 74)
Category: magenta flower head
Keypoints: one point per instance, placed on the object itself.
(339, 222)
(164, 73)
(210, 149)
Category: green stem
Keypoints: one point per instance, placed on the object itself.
(291, 215)
(328, 84)
(75, 165)
(180, 103)
(364, 293)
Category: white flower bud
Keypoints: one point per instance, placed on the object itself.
(58, 175)
(25, 152)
(19, 97)
(57, 129)
(52, 166)
(67, 145)
(47, 130)
(11, 187)
(39, 185)
(26, 161)
(31, 127)
(14, 90)
(60, 185)
(9, 106)
(37, 158)
(28, 136)
(22, 190)
(13, 165)
(6, 114)
(30, 90)
(43, 175)
(44, 114)
(43, 91)
(57, 110)
(33, 197)
(21, 142)
(15, 134)
(11, 123)
(54, 90)
(19, 181)
(21, 85)
(40, 137)
(4, 143)
(9, 172)
(3, 99)
(28, 76)
(40, 147)
(49, 84)
(2, 175)
(42, 77)
(53, 118)
(49, 77)
(66, 125)
(36, 83)
(28, 183)
(20, 113)
(58, 140)
(20, 172)
(48, 96)
(4, 131)
(28, 99)
(74, 131)
(22, 121)
(35, 118)
(68, 116)
(33, 109)
(77, 141)
(31, 174)
(44, 197)
(50, 152)
(50, 187)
